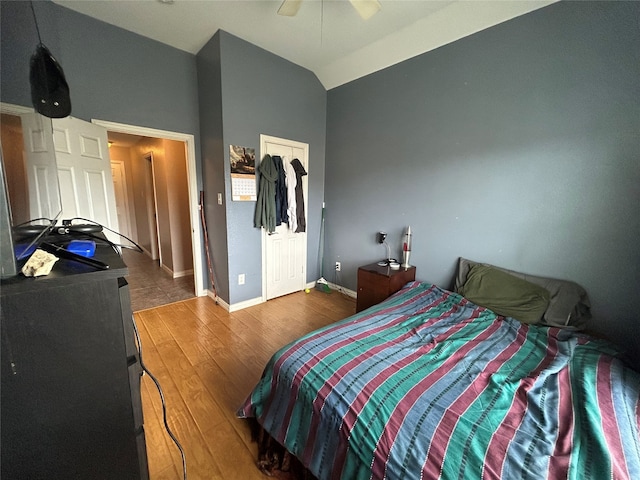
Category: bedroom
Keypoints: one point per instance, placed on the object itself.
(543, 139)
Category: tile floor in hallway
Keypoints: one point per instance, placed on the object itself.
(150, 286)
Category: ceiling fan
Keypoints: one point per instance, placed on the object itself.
(365, 8)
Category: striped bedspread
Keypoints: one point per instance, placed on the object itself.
(428, 385)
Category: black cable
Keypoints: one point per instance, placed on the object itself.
(35, 20)
(49, 228)
(33, 220)
(162, 400)
(338, 281)
(137, 247)
(45, 231)
(106, 241)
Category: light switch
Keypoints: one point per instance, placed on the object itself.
(219, 198)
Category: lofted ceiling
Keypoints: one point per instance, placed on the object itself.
(326, 36)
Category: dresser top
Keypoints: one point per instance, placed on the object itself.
(66, 272)
(385, 270)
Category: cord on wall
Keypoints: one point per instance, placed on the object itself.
(162, 400)
(337, 281)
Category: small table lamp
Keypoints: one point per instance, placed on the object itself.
(381, 238)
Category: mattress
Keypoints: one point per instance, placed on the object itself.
(429, 385)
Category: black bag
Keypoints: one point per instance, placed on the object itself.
(49, 89)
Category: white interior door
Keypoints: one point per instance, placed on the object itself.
(285, 252)
(118, 174)
(84, 170)
(42, 176)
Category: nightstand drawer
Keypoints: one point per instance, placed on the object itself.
(376, 283)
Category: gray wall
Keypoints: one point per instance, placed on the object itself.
(119, 76)
(210, 94)
(112, 74)
(19, 40)
(261, 93)
(517, 146)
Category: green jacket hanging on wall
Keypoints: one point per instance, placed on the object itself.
(265, 215)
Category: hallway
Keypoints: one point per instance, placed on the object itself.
(150, 286)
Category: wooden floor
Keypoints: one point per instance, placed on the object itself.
(207, 361)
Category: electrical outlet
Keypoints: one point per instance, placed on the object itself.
(219, 198)
(338, 266)
(241, 279)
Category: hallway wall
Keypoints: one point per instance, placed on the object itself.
(179, 214)
(172, 196)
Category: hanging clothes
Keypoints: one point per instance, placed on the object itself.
(291, 181)
(265, 215)
(300, 172)
(280, 192)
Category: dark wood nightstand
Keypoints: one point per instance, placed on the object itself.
(375, 283)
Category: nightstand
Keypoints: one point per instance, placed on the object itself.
(376, 283)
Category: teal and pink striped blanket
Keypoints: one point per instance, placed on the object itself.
(428, 385)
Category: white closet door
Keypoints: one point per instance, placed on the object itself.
(285, 252)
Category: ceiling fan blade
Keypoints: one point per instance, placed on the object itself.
(289, 8)
(366, 8)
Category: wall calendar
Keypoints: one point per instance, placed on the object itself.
(243, 173)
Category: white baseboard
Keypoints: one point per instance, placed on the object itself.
(173, 274)
(344, 290)
(258, 300)
(148, 253)
(334, 286)
(236, 306)
(217, 299)
(183, 273)
(167, 269)
(247, 303)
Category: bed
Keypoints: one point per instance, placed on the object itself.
(429, 384)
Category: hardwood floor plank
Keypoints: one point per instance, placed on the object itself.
(202, 407)
(241, 464)
(193, 337)
(200, 462)
(230, 395)
(150, 354)
(167, 474)
(208, 360)
(155, 327)
(223, 386)
(159, 456)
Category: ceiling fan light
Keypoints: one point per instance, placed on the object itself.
(289, 8)
(366, 8)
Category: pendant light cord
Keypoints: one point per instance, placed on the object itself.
(35, 20)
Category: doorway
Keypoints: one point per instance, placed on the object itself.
(187, 144)
(191, 222)
(159, 208)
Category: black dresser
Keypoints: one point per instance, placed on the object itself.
(70, 394)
